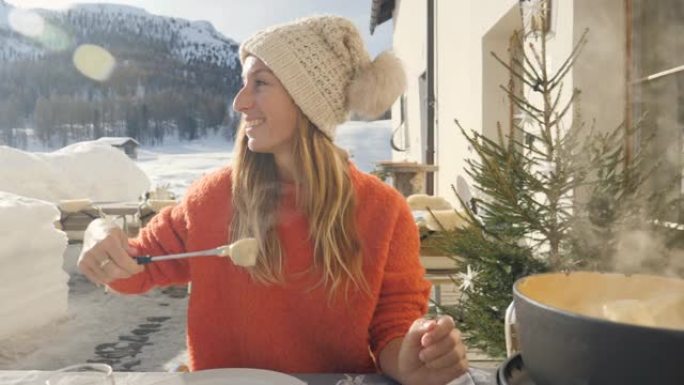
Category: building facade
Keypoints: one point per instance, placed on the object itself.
(631, 70)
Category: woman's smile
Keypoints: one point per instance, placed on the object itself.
(253, 123)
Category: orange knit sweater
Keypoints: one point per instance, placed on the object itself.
(293, 328)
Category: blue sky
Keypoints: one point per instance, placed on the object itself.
(238, 19)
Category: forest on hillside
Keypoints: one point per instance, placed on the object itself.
(150, 95)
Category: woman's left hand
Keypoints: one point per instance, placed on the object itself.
(432, 353)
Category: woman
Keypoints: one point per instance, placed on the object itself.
(338, 285)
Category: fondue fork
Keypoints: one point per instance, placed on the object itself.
(242, 252)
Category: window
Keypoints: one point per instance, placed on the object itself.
(658, 90)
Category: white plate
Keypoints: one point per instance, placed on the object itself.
(233, 377)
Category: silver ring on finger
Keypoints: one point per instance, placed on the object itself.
(104, 263)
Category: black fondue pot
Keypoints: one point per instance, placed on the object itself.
(586, 328)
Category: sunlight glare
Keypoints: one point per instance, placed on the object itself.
(26, 22)
(47, 4)
(94, 62)
(55, 39)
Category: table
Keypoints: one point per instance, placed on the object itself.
(74, 223)
(407, 177)
(37, 377)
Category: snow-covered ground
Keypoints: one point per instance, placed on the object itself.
(147, 332)
(177, 164)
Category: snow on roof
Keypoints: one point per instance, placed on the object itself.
(116, 141)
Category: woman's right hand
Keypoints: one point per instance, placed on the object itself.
(105, 255)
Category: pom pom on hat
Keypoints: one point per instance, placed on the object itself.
(323, 64)
(377, 86)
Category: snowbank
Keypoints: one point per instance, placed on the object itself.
(27, 174)
(34, 287)
(81, 170)
(99, 172)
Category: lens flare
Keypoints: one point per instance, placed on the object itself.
(34, 26)
(55, 39)
(27, 23)
(94, 62)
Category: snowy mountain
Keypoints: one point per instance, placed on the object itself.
(104, 24)
(167, 76)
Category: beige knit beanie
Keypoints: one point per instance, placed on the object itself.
(323, 64)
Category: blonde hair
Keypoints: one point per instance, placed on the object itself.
(324, 192)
